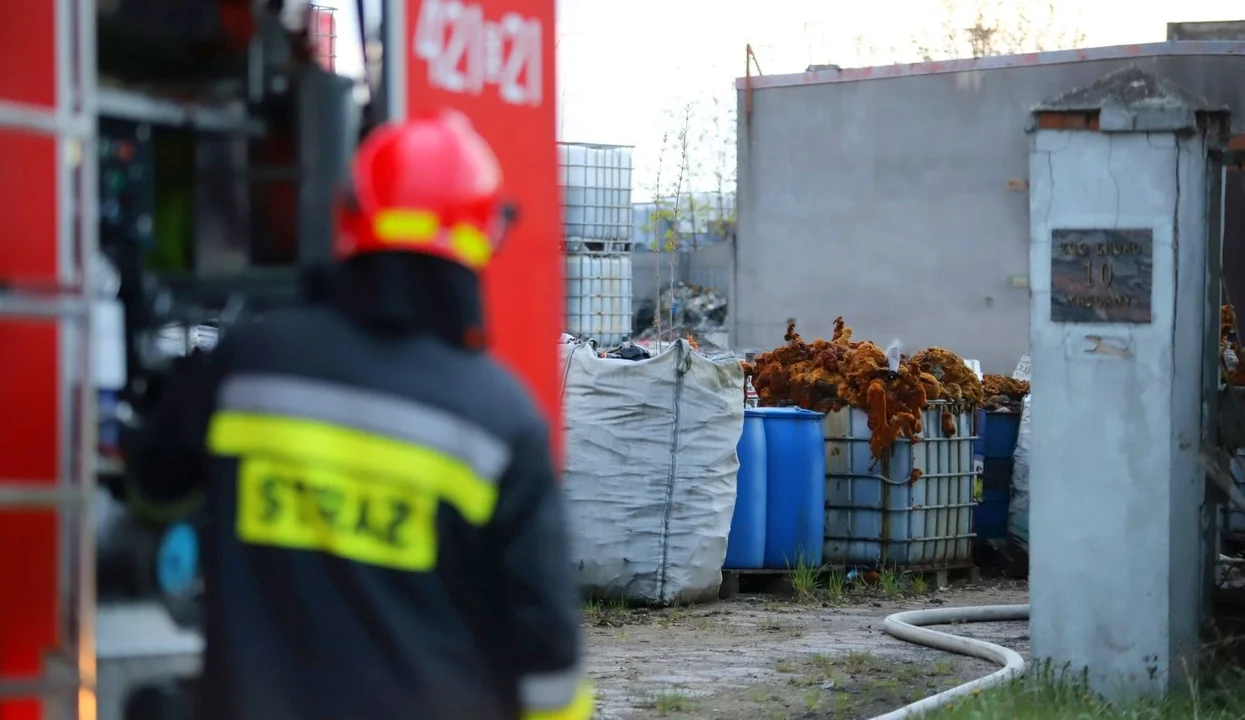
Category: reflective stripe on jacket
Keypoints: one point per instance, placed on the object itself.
(556, 696)
(387, 537)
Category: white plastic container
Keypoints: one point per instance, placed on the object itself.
(598, 296)
(596, 193)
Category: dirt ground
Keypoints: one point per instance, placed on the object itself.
(766, 658)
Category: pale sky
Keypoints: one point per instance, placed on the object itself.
(626, 67)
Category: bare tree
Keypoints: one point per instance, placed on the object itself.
(654, 225)
(979, 28)
(682, 181)
(694, 193)
(720, 140)
(870, 52)
(668, 209)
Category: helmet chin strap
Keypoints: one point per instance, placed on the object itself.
(347, 197)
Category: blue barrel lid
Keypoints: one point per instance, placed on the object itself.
(1001, 412)
(177, 560)
(782, 412)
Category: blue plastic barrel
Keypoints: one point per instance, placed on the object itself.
(996, 434)
(996, 473)
(745, 549)
(795, 488)
(990, 515)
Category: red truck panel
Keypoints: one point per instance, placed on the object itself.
(27, 42)
(494, 60)
(28, 355)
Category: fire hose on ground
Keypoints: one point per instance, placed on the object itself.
(908, 626)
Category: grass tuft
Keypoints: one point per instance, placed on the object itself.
(1046, 695)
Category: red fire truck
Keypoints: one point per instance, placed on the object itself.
(167, 165)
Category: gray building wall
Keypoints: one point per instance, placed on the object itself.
(897, 197)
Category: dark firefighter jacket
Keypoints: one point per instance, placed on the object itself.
(386, 539)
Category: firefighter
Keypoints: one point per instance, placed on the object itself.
(385, 538)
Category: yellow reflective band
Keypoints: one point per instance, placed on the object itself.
(366, 454)
(471, 246)
(307, 484)
(581, 707)
(420, 227)
(406, 226)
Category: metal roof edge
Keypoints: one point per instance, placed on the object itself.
(997, 62)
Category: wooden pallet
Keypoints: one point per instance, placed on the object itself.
(778, 582)
(944, 576)
(761, 582)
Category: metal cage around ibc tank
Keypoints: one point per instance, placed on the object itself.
(596, 197)
(598, 227)
(910, 510)
(598, 296)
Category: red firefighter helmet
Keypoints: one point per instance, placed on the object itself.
(430, 185)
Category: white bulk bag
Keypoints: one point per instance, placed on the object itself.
(650, 471)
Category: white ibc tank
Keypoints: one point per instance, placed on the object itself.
(598, 296)
(596, 194)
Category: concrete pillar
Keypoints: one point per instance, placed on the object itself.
(1121, 311)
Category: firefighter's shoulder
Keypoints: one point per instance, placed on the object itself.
(314, 340)
(491, 394)
(507, 387)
